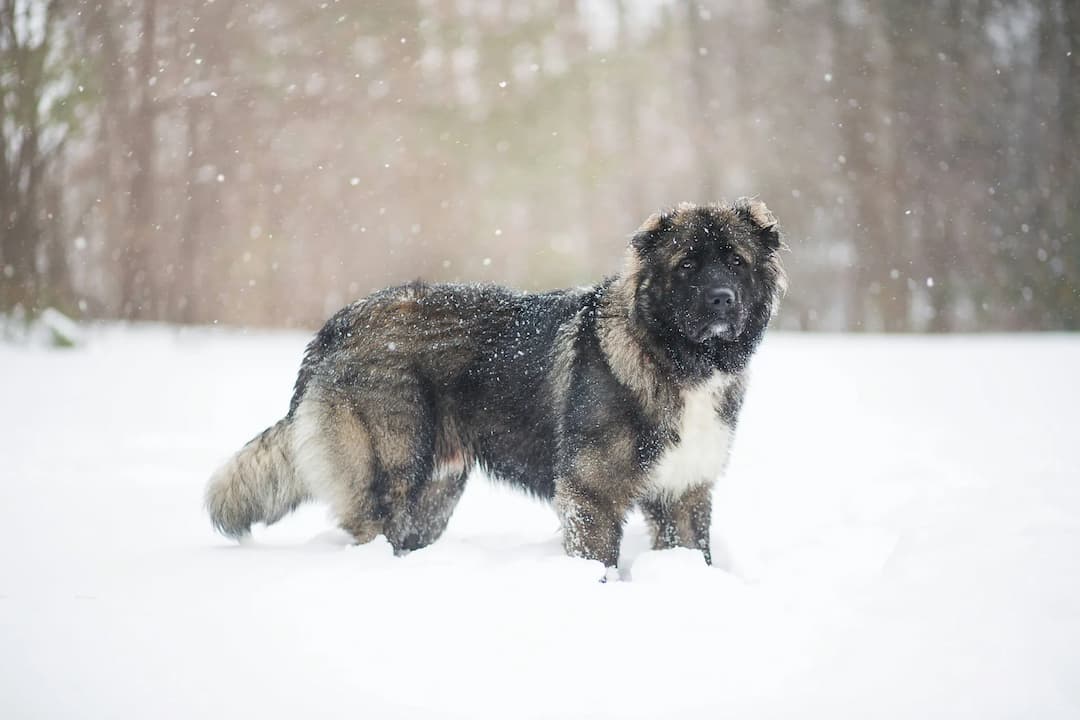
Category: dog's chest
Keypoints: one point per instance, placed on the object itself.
(704, 440)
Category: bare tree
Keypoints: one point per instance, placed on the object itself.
(36, 118)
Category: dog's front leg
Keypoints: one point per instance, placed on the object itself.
(683, 521)
(592, 521)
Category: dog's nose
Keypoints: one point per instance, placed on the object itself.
(720, 297)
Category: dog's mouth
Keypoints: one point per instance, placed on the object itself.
(724, 330)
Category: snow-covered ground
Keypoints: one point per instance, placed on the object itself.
(901, 523)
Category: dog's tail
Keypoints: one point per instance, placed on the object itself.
(257, 484)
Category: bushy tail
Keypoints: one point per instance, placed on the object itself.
(257, 484)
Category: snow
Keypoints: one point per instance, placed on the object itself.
(899, 533)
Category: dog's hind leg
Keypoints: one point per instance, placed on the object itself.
(431, 502)
(334, 455)
(373, 460)
(414, 497)
(429, 509)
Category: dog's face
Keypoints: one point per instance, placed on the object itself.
(710, 273)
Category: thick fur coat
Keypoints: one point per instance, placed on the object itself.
(602, 398)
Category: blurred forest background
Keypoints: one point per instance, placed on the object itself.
(264, 162)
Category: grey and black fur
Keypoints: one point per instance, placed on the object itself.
(621, 394)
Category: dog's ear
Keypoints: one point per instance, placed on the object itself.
(650, 232)
(757, 214)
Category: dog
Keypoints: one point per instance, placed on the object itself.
(625, 393)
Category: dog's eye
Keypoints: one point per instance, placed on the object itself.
(736, 260)
(688, 265)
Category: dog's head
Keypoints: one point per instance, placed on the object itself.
(709, 273)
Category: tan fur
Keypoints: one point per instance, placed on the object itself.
(761, 214)
(627, 354)
(256, 483)
(651, 224)
(333, 454)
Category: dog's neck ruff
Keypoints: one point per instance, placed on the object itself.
(631, 359)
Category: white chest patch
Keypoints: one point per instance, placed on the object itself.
(701, 454)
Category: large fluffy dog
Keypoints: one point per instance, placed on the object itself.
(600, 398)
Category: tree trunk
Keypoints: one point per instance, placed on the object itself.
(138, 289)
(879, 295)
